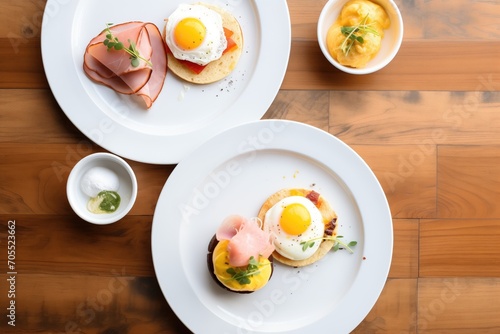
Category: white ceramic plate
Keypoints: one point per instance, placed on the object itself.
(184, 115)
(235, 172)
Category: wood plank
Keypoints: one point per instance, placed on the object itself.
(467, 19)
(21, 19)
(124, 303)
(33, 115)
(405, 256)
(422, 118)
(50, 244)
(423, 19)
(408, 176)
(310, 107)
(304, 18)
(21, 64)
(395, 311)
(419, 65)
(33, 178)
(469, 182)
(95, 303)
(36, 245)
(460, 248)
(20, 57)
(115, 303)
(132, 257)
(458, 305)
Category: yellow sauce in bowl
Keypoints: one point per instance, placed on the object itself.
(356, 36)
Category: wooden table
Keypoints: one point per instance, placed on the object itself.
(428, 125)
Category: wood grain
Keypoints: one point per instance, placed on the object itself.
(469, 179)
(113, 303)
(407, 173)
(302, 106)
(428, 125)
(419, 65)
(34, 111)
(459, 248)
(472, 20)
(21, 64)
(57, 244)
(421, 118)
(395, 310)
(458, 305)
(405, 261)
(33, 178)
(467, 33)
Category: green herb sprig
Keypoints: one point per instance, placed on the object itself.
(243, 275)
(112, 42)
(356, 34)
(339, 244)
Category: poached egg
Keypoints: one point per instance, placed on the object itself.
(195, 33)
(293, 221)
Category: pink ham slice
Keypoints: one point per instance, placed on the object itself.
(113, 68)
(229, 227)
(246, 239)
(152, 89)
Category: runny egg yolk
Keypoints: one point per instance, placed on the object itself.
(295, 219)
(189, 33)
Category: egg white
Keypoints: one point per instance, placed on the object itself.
(214, 43)
(286, 244)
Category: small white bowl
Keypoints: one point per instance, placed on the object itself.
(393, 36)
(127, 190)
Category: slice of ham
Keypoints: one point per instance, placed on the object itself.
(152, 89)
(113, 68)
(229, 227)
(246, 240)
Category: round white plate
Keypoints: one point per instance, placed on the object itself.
(234, 172)
(184, 115)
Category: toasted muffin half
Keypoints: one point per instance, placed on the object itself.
(217, 69)
(329, 221)
(217, 266)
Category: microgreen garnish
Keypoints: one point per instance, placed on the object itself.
(243, 275)
(356, 34)
(342, 245)
(307, 244)
(112, 42)
(339, 244)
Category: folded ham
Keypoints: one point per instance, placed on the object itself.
(113, 68)
(246, 240)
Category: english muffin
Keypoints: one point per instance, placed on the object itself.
(216, 69)
(239, 255)
(303, 225)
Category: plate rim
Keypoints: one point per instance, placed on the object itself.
(100, 129)
(383, 267)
